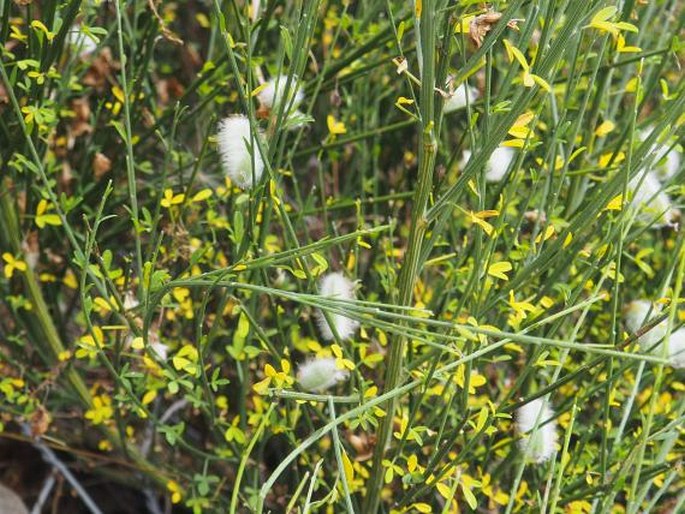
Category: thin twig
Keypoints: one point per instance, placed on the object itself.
(51, 458)
(44, 493)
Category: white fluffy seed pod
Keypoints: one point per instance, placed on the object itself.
(537, 423)
(498, 164)
(459, 96)
(668, 168)
(81, 43)
(273, 93)
(636, 314)
(667, 159)
(335, 285)
(130, 301)
(320, 374)
(161, 349)
(651, 201)
(239, 151)
(676, 348)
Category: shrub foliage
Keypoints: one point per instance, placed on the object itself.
(313, 256)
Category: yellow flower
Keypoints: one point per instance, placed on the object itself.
(279, 378)
(149, 396)
(101, 409)
(475, 379)
(39, 26)
(478, 218)
(616, 203)
(529, 79)
(606, 127)
(12, 263)
(600, 21)
(578, 507)
(175, 491)
(43, 218)
(171, 199)
(499, 270)
(520, 307)
(186, 359)
(201, 196)
(90, 344)
(622, 48)
(234, 433)
(69, 279)
(494, 493)
(340, 361)
(335, 127)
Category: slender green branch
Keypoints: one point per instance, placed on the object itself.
(417, 230)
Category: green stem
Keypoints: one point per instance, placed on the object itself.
(338, 457)
(130, 170)
(410, 267)
(246, 456)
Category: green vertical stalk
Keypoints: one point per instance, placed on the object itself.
(410, 267)
(130, 169)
